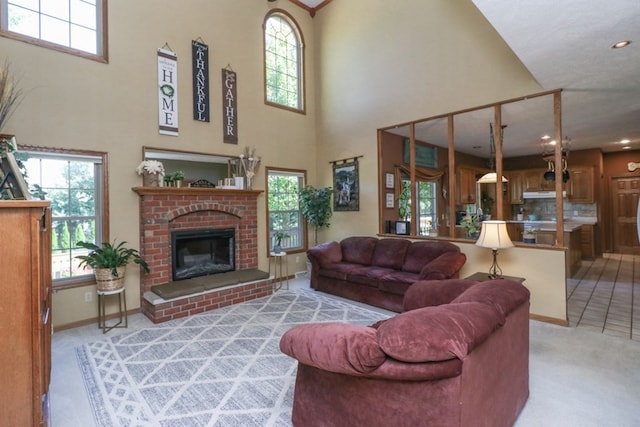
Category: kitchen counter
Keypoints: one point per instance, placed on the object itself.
(569, 224)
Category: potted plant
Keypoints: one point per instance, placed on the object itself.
(178, 177)
(315, 204)
(278, 236)
(109, 262)
(471, 223)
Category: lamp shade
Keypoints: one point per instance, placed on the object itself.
(490, 178)
(494, 235)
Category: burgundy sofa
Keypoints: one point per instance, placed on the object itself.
(379, 271)
(459, 356)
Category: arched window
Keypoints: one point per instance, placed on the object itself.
(283, 62)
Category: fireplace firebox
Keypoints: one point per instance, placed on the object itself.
(202, 252)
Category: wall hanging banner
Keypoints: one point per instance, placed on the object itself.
(168, 92)
(229, 106)
(200, 58)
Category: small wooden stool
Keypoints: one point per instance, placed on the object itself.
(122, 307)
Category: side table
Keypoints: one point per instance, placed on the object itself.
(122, 308)
(276, 260)
(482, 277)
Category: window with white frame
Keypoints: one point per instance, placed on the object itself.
(283, 62)
(74, 184)
(283, 209)
(72, 26)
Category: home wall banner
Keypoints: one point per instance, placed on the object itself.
(200, 58)
(229, 106)
(167, 92)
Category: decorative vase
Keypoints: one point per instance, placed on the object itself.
(277, 249)
(107, 281)
(151, 179)
(249, 182)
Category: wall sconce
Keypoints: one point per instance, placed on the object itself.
(494, 235)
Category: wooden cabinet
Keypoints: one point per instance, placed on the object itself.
(25, 312)
(515, 230)
(516, 187)
(581, 184)
(466, 186)
(532, 179)
(587, 242)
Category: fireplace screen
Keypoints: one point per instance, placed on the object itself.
(202, 252)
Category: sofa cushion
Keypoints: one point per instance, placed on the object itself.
(433, 334)
(338, 271)
(425, 293)
(358, 250)
(392, 287)
(335, 347)
(421, 253)
(368, 275)
(390, 253)
(502, 294)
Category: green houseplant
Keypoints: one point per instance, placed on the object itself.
(315, 205)
(278, 237)
(109, 261)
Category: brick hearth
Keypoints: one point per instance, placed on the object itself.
(163, 210)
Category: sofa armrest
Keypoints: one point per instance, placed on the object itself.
(336, 347)
(446, 266)
(325, 254)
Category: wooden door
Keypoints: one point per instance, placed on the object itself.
(625, 194)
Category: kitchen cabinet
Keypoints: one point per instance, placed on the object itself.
(587, 242)
(581, 184)
(516, 187)
(515, 230)
(25, 312)
(466, 186)
(532, 179)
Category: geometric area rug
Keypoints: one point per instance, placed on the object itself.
(219, 368)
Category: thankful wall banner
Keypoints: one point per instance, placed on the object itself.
(229, 106)
(200, 58)
(167, 92)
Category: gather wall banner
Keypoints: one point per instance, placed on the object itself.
(200, 58)
(229, 106)
(167, 92)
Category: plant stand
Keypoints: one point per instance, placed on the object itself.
(122, 308)
(276, 260)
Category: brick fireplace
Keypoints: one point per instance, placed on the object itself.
(167, 209)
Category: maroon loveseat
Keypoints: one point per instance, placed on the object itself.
(379, 271)
(458, 357)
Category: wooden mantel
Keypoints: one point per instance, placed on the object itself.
(179, 191)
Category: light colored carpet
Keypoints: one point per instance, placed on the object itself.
(577, 377)
(222, 368)
(580, 378)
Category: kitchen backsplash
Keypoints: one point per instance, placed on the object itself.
(546, 208)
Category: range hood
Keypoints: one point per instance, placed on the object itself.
(542, 195)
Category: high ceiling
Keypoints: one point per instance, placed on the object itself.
(567, 45)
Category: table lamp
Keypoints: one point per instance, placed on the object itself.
(494, 235)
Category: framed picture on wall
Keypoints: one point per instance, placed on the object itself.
(389, 201)
(388, 180)
(346, 188)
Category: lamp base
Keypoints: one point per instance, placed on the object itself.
(495, 272)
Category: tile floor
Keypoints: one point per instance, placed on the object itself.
(604, 296)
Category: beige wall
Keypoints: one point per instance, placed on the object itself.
(370, 63)
(382, 63)
(77, 103)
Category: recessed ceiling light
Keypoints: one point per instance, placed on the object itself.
(626, 147)
(545, 137)
(625, 141)
(621, 44)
